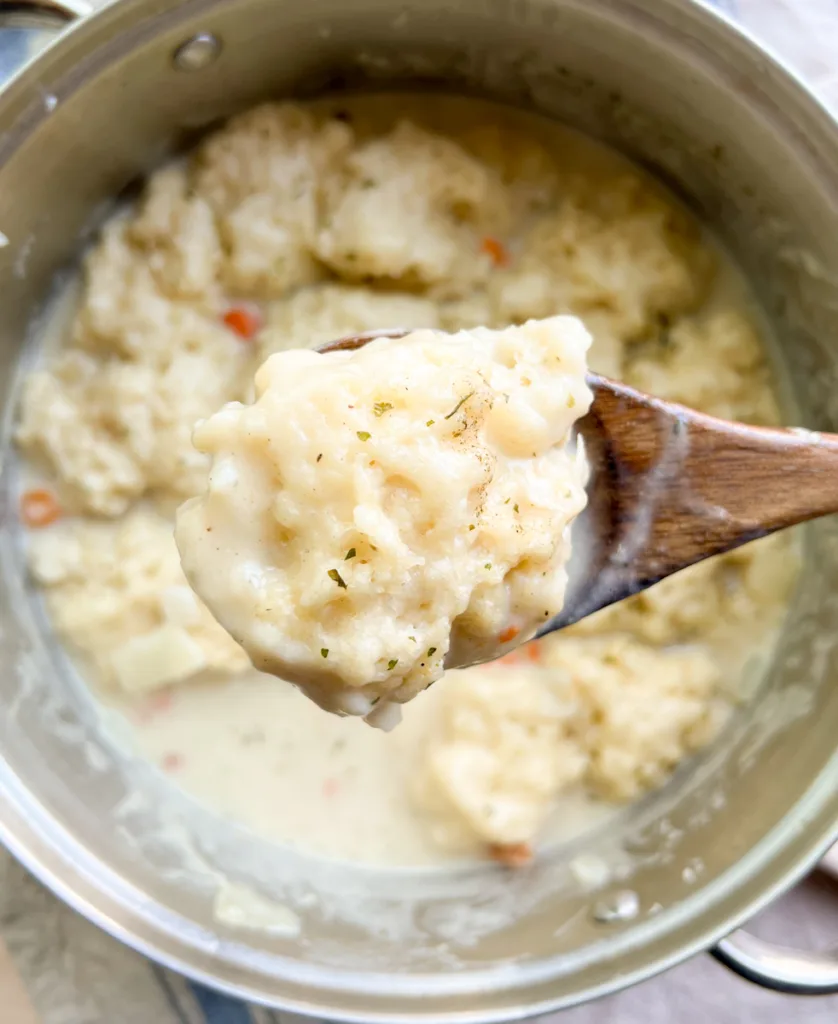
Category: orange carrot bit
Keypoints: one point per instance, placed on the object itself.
(161, 701)
(172, 762)
(330, 788)
(511, 855)
(496, 251)
(243, 322)
(153, 706)
(508, 634)
(39, 508)
(533, 649)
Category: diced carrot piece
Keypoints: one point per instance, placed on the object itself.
(154, 705)
(243, 322)
(533, 649)
(38, 508)
(512, 855)
(508, 634)
(160, 701)
(496, 251)
(172, 762)
(330, 787)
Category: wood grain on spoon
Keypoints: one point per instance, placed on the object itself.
(671, 486)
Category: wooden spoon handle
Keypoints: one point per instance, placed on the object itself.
(672, 486)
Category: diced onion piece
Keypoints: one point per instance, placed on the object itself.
(180, 606)
(166, 655)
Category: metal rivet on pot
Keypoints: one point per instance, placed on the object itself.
(197, 53)
(619, 906)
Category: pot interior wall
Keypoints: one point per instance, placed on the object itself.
(746, 148)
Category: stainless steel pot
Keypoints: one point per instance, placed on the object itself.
(677, 88)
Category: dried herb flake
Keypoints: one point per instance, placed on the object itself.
(336, 576)
(459, 404)
(381, 407)
(349, 554)
(391, 664)
(324, 652)
(431, 651)
(363, 435)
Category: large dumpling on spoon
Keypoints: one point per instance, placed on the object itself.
(379, 515)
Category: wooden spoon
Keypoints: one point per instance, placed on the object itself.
(671, 486)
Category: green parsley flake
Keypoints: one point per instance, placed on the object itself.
(324, 652)
(459, 405)
(363, 435)
(336, 576)
(471, 526)
(381, 407)
(488, 565)
(392, 664)
(431, 651)
(515, 508)
(430, 423)
(349, 554)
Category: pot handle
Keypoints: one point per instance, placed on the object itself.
(62, 10)
(26, 26)
(780, 968)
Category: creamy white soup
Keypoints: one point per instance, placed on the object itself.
(293, 225)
